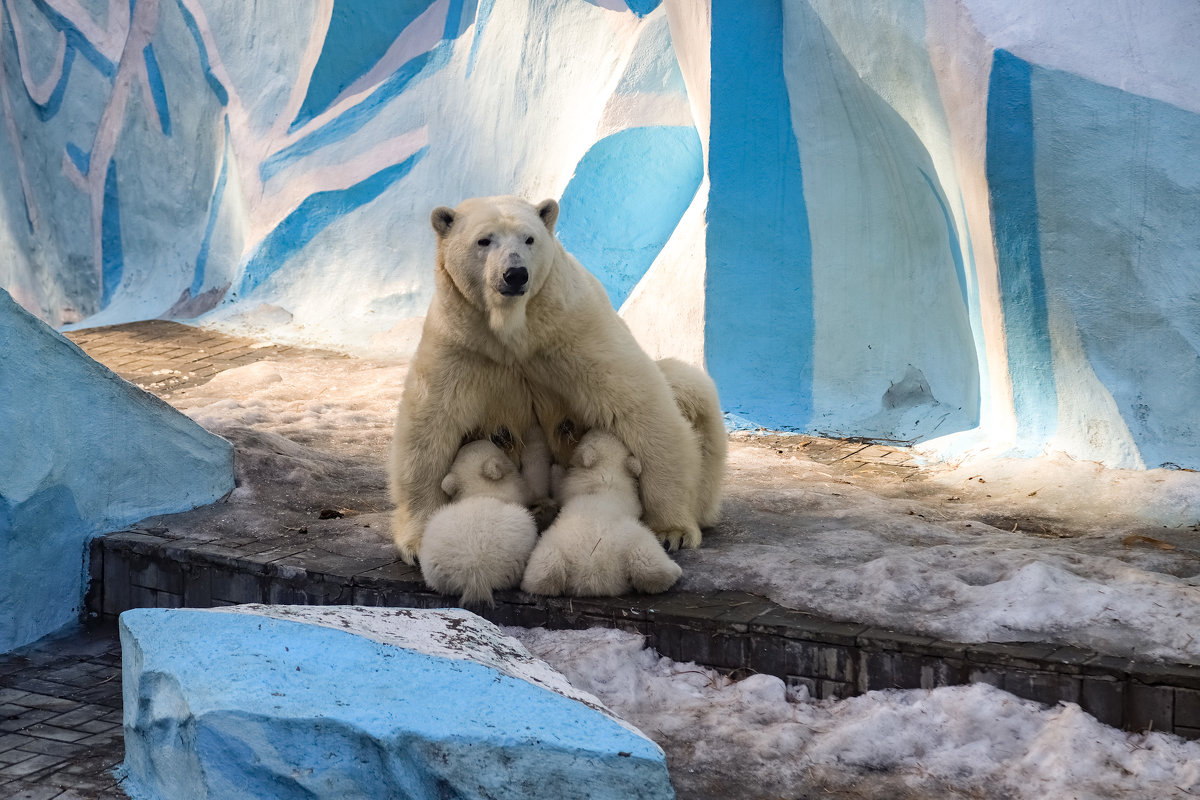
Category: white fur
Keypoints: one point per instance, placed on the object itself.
(696, 397)
(536, 465)
(597, 546)
(557, 355)
(482, 541)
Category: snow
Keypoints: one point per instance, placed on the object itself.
(1042, 549)
(754, 739)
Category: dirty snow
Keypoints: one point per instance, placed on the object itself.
(1044, 549)
(753, 739)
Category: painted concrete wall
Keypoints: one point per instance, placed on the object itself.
(84, 453)
(965, 221)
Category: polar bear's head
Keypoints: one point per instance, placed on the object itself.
(602, 464)
(482, 470)
(496, 250)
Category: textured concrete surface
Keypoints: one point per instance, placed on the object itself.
(359, 702)
(64, 421)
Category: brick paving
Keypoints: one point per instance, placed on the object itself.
(165, 357)
(60, 717)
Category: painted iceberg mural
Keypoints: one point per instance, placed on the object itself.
(962, 222)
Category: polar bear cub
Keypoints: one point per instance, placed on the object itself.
(597, 546)
(481, 541)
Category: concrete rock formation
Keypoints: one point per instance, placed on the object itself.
(82, 452)
(334, 702)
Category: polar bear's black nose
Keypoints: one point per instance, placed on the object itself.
(515, 279)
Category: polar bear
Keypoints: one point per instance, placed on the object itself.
(519, 333)
(481, 541)
(597, 546)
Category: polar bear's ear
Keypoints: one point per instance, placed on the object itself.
(634, 465)
(442, 218)
(493, 470)
(450, 484)
(548, 211)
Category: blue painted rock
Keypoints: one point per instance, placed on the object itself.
(346, 702)
(82, 452)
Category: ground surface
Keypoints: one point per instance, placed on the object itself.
(994, 550)
(1042, 549)
(60, 717)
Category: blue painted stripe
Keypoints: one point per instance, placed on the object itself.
(625, 200)
(353, 119)
(454, 19)
(76, 41)
(214, 208)
(112, 252)
(955, 244)
(214, 83)
(1013, 197)
(642, 7)
(359, 34)
(157, 89)
(82, 159)
(47, 110)
(313, 216)
(758, 287)
(482, 15)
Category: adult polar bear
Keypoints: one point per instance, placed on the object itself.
(519, 333)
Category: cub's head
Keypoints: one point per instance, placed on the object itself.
(496, 250)
(482, 470)
(602, 464)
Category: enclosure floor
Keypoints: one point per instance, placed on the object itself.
(60, 716)
(205, 558)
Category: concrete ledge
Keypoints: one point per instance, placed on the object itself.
(732, 631)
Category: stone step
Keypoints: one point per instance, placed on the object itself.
(731, 631)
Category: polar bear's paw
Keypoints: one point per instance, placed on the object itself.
(406, 536)
(674, 538)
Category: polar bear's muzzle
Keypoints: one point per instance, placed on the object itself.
(514, 281)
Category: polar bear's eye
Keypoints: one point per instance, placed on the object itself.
(484, 242)
(529, 240)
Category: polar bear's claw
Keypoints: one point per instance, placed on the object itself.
(676, 538)
(407, 554)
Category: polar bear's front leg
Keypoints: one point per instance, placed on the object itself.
(664, 443)
(421, 456)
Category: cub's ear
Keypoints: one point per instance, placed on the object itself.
(634, 465)
(442, 218)
(450, 484)
(493, 470)
(587, 456)
(548, 211)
